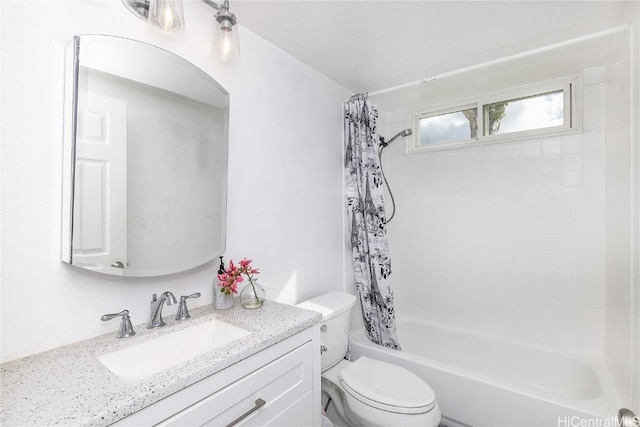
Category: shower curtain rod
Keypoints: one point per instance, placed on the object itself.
(507, 58)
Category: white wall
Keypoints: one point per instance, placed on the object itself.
(285, 204)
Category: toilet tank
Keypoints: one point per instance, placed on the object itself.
(334, 328)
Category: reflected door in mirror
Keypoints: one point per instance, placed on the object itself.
(100, 199)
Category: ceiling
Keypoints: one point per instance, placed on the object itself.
(371, 45)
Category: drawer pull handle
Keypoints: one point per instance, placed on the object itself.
(259, 404)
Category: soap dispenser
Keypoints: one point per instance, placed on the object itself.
(221, 300)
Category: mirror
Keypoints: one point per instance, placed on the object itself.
(144, 161)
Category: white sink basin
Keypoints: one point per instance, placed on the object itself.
(139, 361)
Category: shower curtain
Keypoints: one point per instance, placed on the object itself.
(370, 247)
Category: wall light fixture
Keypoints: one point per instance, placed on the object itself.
(226, 46)
(168, 15)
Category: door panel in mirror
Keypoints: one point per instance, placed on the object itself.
(100, 182)
(145, 160)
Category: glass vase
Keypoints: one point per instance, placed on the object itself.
(252, 295)
(221, 300)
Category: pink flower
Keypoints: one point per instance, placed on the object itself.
(228, 281)
(245, 268)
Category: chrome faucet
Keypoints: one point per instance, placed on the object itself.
(156, 309)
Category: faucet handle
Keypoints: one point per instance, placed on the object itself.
(183, 311)
(194, 295)
(126, 329)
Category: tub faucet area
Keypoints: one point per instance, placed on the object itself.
(156, 309)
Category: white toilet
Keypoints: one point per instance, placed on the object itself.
(367, 392)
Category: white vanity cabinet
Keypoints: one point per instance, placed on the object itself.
(279, 386)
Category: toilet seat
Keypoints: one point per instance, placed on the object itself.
(387, 387)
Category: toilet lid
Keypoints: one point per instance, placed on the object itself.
(388, 387)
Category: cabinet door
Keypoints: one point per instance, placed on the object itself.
(298, 414)
(280, 384)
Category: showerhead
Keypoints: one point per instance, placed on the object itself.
(403, 133)
(406, 132)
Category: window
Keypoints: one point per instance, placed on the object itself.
(539, 111)
(454, 126)
(523, 113)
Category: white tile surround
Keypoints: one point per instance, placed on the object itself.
(618, 155)
(534, 241)
(506, 239)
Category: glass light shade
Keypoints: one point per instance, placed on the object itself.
(226, 47)
(166, 14)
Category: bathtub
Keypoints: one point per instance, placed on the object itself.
(484, 381)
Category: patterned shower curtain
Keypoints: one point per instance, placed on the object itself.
(370, 247)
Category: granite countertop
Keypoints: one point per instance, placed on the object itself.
(69, 386)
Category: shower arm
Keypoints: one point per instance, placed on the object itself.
(403, 133)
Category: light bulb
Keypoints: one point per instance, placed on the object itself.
(168, 20)
(166, 14)
(226, 47)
